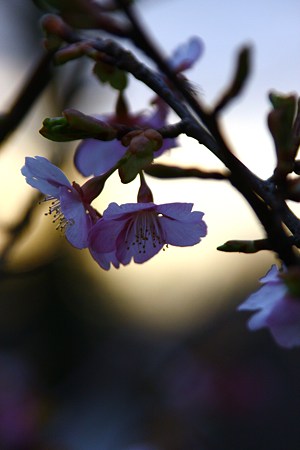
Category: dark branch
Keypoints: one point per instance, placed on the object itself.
(164, 171)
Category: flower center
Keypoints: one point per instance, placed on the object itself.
(143, 230)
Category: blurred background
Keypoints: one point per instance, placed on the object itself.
(152, 356)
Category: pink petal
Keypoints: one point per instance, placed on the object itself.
(158, 118)
(187, 54)
(181, 233)
(287, 336)
(284, 321)
(115, 211)
(178, 211)
(271, 275)
(278, 311)
(79, 221)
(43, 175)
(95, 157)
(105, 259)
(264, 298)
(103, 235)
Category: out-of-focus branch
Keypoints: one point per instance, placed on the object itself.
(166, 171)
(15, 232)
(30, 91)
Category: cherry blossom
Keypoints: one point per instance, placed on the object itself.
(95, 157)
(141, 230)
(278, 309)
(69, 208)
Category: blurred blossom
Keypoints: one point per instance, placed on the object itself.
(194, 387)
(278, 307)
(189, 384)
(19, 406)
(249, 389)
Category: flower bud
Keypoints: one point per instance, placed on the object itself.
(141, 141)
(93, 187)
(144, 194)
(108, 73)
(280, 123)
(141, 146)
(245, 246)
(53, 25)
(126, 139)
(92, 126)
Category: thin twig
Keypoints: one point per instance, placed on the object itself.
(166, 171)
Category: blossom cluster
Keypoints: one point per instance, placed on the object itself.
(277, 304)
(135, 231)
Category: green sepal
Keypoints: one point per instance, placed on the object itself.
(57, 129)
(109, 74)
(135, 162)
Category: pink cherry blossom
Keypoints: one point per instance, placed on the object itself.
(95, 157)
(278, 310)
(141, 230)
(69, 210)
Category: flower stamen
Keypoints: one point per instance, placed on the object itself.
(145, 229)
(55, 211)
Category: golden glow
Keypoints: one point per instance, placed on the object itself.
(178, 288)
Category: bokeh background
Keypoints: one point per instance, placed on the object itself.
(149, 357)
